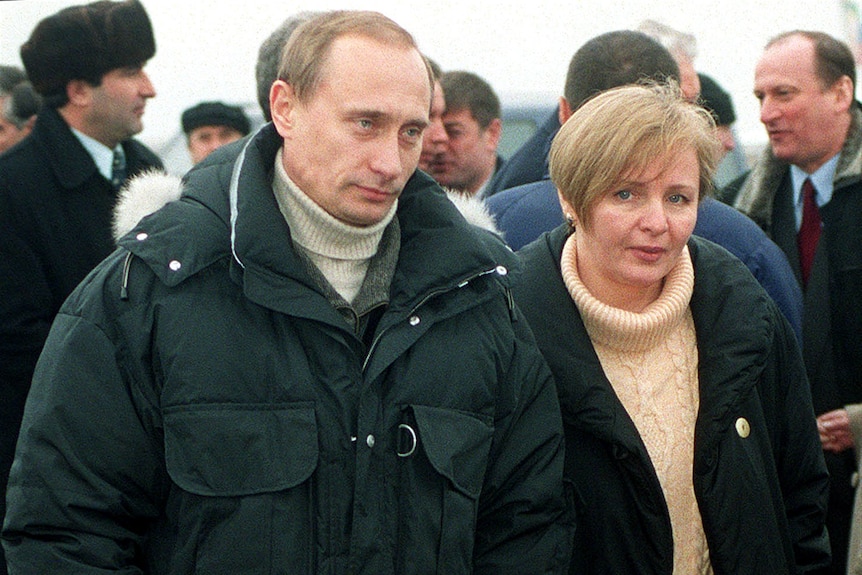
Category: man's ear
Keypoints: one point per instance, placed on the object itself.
(282, 103)
(79, 92)
(494, 130)
(843, 91)
(565, 111)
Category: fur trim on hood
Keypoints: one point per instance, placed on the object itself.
(142, 196)
(474, 210)
(148, 192)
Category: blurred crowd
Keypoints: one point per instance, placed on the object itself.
(357, 338)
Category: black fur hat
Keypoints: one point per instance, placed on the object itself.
(215, 114)
(86, 42)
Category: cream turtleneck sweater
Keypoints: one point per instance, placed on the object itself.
(340, 251)
(650, 358)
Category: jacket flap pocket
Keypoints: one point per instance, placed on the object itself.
(457, 445)
(233, 450)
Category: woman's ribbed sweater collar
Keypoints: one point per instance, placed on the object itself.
(625, 330)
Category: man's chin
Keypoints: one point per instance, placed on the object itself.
(781, 152)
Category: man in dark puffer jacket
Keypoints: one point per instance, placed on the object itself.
(308, 364)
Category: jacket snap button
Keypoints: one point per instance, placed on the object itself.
(370, 440)
(502, 270)
(142, 236)
(175, 265)
(414, 320)
(743, 428)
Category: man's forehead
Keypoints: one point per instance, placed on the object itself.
(350, 52)
(793, 52)
(459, 115)
(783, 67)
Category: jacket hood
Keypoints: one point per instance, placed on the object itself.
(150, 191)
(141, 196)
(226, 209)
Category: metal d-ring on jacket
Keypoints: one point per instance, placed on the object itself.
(224, 418)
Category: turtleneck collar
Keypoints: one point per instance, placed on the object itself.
(626, 330)
(318, 232)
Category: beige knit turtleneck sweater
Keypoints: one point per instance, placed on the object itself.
(650, 358)
(340, 251)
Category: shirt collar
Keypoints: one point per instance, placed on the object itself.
(102, 155)
(821, 179)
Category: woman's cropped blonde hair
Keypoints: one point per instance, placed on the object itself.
(615, 135)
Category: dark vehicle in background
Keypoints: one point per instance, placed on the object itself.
(520, 121)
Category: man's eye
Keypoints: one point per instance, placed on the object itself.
(365, 124)
(677, 199)
(624, 194)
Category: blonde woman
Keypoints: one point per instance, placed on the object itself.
(691, 442)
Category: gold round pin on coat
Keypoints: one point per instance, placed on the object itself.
(743, 428)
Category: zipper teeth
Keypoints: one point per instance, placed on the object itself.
(422, 302)
(127, 266)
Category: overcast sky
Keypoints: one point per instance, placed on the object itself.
(206, 49)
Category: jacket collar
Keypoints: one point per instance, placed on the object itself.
(586, 397)
(228, 209)
(438, 247)
(757, 193)
(725, 343)
(67, 158)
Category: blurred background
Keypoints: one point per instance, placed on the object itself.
(206, 49)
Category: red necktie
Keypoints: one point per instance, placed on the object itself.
(809, 231)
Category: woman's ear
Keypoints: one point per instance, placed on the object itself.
(568, 212)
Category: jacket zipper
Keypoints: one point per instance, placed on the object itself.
(423, 301)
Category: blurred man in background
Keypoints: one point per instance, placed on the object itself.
(210, 125)
(58, 187)
(18, 112)
(473, 127)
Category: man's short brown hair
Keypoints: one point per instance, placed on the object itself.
(307, 50)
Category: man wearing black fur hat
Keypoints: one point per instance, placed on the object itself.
(58, 187)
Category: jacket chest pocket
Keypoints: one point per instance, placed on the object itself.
(440, 483)
(243, 474)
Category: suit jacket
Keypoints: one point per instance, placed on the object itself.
(832, 314)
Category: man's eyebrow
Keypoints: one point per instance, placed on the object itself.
(378, 115)
(367, 113)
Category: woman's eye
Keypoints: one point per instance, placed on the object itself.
(624, 194)
(677, 199)
(365, 124)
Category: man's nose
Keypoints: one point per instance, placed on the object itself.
(387, 157)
